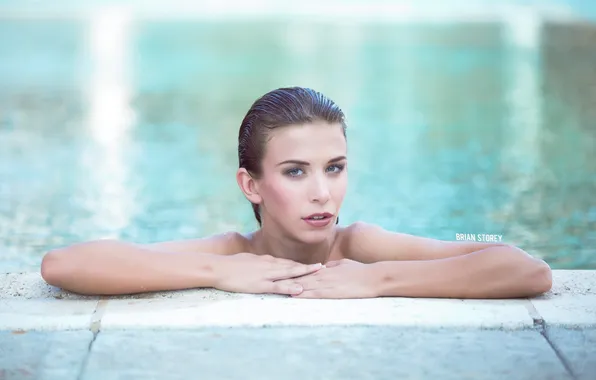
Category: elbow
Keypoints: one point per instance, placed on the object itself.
(538, 277)
(53, 267)
(543, 278)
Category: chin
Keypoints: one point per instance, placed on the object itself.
(315, 236)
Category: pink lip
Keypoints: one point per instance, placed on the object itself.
(324, 215)
(319, 223)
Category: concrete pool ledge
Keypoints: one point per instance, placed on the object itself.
(28, 303)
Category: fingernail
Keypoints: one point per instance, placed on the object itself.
(297, 289)
(317, 266)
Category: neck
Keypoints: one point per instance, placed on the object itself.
(275, 243)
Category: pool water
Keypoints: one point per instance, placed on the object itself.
(130, 132)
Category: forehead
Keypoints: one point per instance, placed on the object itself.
(306, 141)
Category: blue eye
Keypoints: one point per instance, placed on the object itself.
(338, 168)
(296, 172)
(293, 172)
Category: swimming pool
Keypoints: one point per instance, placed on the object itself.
(115, 128)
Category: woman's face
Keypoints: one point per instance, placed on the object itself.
(304, 173)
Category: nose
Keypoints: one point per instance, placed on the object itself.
(319, 189)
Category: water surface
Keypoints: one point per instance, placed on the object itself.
(452, 129)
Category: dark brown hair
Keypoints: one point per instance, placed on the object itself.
(279, 108)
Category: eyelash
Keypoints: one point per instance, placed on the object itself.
(340, 168)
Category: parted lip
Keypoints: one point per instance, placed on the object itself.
(323, 214)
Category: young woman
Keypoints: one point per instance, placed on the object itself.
(293, 169)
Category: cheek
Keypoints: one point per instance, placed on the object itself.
(281, 193)
(340, 188)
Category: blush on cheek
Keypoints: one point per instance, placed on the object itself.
(339, 191)
(282, 197)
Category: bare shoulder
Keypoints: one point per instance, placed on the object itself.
(367, 242)
(356, 239)
(227, 243)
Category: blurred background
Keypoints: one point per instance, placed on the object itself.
(120, 119)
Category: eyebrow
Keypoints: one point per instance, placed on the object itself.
(299, 162)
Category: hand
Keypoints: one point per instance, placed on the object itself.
(249, 273)
(340, 279)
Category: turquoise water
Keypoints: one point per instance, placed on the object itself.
(452, 129)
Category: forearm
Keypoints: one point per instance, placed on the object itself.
(114, 267)
(495, 272)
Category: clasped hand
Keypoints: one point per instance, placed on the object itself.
(250, 273)
(338, 279)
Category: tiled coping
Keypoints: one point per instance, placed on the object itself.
(28, 303)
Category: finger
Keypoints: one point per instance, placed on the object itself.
(293, 271)
(331, 264)
(306, 282)
(319, 293)
(285, 287)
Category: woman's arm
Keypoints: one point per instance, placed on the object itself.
(110, 267)
(116, 267)
(422, 267)
(494, 272)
